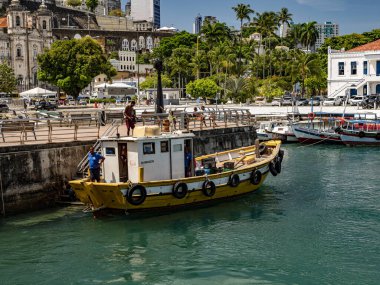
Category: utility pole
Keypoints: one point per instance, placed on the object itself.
(159, 100)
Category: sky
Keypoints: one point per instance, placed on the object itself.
(353, 16)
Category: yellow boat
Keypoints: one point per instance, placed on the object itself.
(146, 172)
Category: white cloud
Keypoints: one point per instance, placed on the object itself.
(325, 5)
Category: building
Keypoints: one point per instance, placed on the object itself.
(326, 30)
(197, 26)
(354, 72)
(146, 10)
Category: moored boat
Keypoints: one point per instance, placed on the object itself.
(361, 132)
(318, 131)
(147, 172)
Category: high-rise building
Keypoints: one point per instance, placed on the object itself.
(326, 30)
(146, 10)
(128, 8)
(197, 25)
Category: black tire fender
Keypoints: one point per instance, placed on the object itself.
(234, 180)
(361, 134)
(272, 168)
(180, 190)
(256, 177)
(208, 188)
(133, 200)
(278, 165)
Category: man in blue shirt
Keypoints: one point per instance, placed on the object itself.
(94, 161)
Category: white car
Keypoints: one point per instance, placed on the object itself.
(332, 102)
(356, 100)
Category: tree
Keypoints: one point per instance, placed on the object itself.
(74, 3)
(303, 66)
(309, 34)
(7, 79)
(92, 4)
(151, 82)
(236, 89)
(284, 17)
(72, 64)
(116, 13)
(242, 13)
(204, 87)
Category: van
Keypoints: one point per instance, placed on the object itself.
(52, 98)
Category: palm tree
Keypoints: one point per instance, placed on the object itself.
(243, 12)
(266, 24)
(236, 88)
(295, 34)
(284, 17)
(309, 34)
(304, 65)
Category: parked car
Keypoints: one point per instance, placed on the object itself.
(82, 102)
(287, 101)
(71, 102)
(371, 102)
(356, 100)
(332, 102)
(276, 101)
(4, 108)
(316, 101)
(260, 101)
(43, 105)
(302, 102)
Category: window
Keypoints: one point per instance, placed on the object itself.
(44, 25)
(18, 52)
(165, 146)
(18, 21)
(110, 151)
(353, 68)
(177, 147)
(148, 148)
(365, 67)
(341, 68)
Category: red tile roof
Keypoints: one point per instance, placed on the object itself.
(3, 22)
(367, 47)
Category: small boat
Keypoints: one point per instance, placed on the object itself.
(151, 174)
(361, 132)
(318, 131)
(283, 131)
(262, 132)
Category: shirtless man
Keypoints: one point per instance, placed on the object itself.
(130, 118)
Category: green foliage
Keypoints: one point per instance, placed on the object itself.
(167, 45)
(151, 82)
(116, 13)
(113, 55)
(104, 100)
(270, 88)
(72, 64)
(7, 79)
(74, 3)
(92, 4)
(204, 87)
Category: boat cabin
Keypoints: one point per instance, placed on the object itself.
(147, 156)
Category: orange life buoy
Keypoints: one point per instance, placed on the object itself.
(311, 116)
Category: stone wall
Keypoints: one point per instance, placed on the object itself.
(33, 177)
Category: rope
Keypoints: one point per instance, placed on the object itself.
(315, 142)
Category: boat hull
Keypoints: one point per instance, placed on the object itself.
(306, 135)
(354, 139)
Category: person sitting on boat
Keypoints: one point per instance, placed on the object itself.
(203, 116)
(95, 160)
(130, 117)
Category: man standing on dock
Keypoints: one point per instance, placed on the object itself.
(95, 160)
(130, 117)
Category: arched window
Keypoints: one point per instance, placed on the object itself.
(141, 42)
(125, 45)
(19, 80)
(378, 89)
(133, 45)
(44, 25)
(149, 43)
(18, 21)
(18, 51)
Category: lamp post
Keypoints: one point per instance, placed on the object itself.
(159, 100)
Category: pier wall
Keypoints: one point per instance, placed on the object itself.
(33, 176)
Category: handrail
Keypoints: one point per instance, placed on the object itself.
(345, 86)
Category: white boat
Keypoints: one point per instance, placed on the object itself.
(361, 132)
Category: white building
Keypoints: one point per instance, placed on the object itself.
(326, 30)
(146, 10)
(354, 72)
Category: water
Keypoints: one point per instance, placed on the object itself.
(316, 223)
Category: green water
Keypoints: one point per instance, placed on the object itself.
(316, 223)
